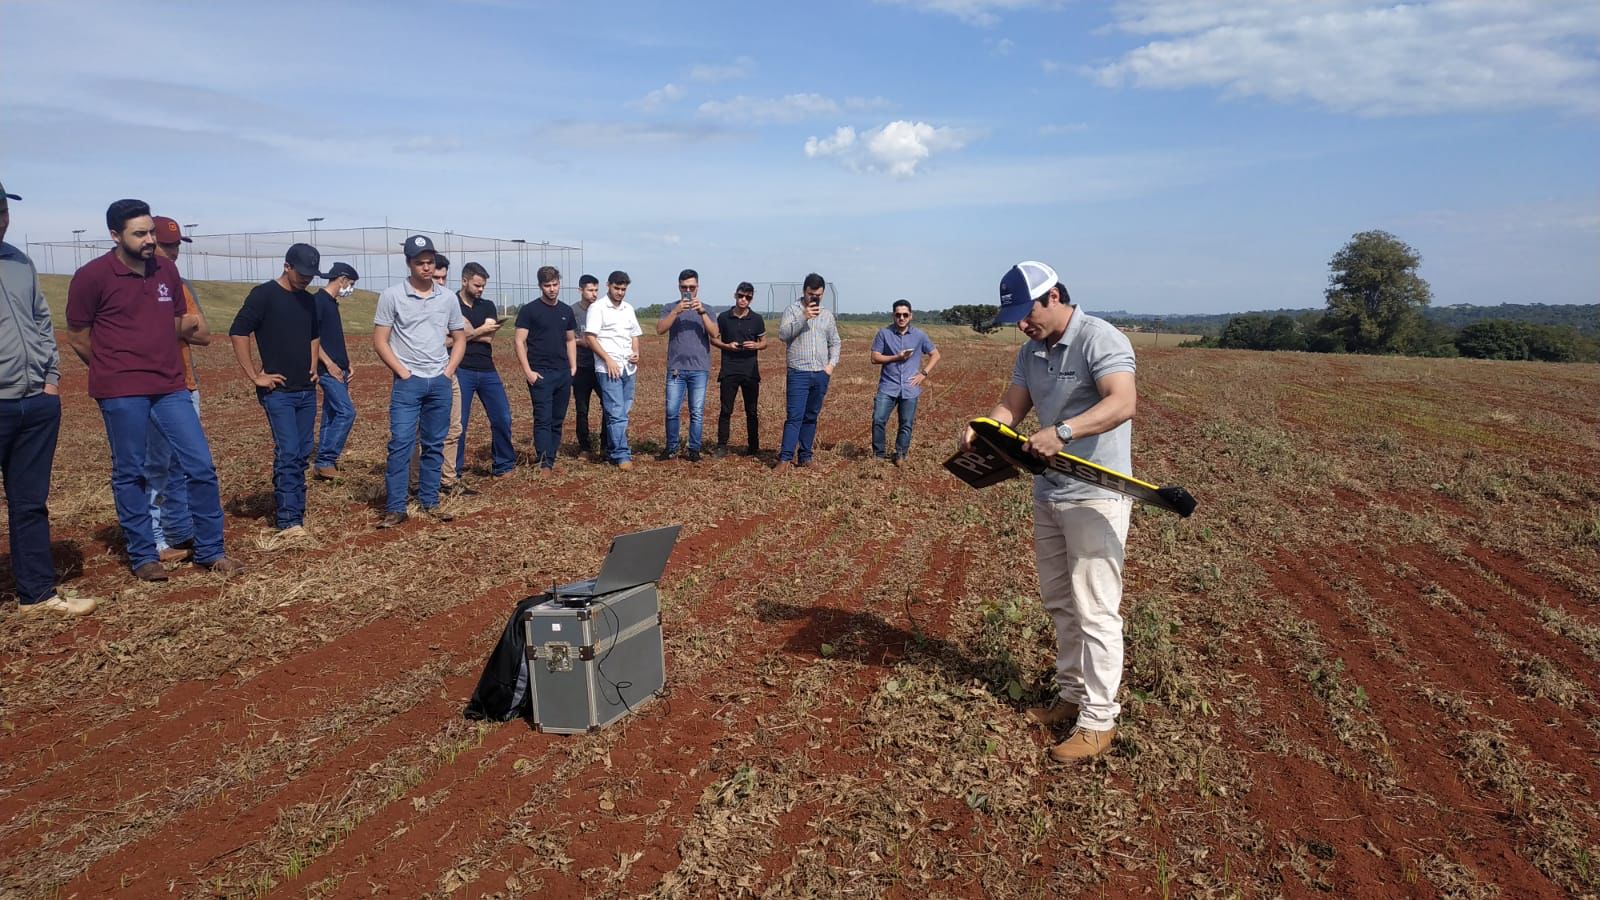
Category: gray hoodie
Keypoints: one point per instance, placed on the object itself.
(29, 359)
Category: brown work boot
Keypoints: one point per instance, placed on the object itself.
(783, 466)
(150, 571)
(175, 554)
(224, 566)
(325, 473)
(1082, 744)
(437, 514)
(1058, 712)
(390, 520)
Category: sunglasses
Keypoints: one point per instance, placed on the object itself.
(902, 315)
(743, 296)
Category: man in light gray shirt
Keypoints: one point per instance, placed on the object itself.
(813, 341)
(30, 422)
(410, 326)
(1077, 372)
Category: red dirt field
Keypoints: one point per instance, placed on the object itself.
(1365, 667)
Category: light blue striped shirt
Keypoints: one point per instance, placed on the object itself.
(813, 343)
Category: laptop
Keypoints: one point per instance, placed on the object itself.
(634, 559)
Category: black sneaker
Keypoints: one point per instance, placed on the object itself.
(692, 456)
(721, 452)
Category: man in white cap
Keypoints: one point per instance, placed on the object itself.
(1077, 372)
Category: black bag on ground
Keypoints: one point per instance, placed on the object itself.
(502, 692)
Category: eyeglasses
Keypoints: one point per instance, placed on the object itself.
(743, 296)
(690, 288)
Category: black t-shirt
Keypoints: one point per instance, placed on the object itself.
(585, 355)
(479, 356)
(735, 330)
(331, 329)
(284, 323)
(548, 327)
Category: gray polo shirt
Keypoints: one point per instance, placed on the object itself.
(29, 359)
(419, 324)
(1060, 380)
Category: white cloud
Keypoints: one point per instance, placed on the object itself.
(974, 12)
(741, 67)
(661, 96)
(898, 148)
(1370, 58)
(752, 110)
(1002, 47)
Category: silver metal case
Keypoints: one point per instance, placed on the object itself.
(593, 661)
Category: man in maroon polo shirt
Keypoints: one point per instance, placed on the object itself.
(124, 317)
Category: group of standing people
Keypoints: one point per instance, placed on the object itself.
(132, 319)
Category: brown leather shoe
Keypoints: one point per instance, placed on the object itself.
(150, 571)
(625, 466)
(224, 566)
(325, 473)
(437, 514)
(1082, 744)
(1058, 712)
(175, 554)
(390, 520)
(783, 466)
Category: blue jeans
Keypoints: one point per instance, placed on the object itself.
(127, 426)
(803, 396)
(338, 416)
(28, 431)
(292, 416)
(550, 395)
(881, 405)
(168, 490)
(616, 399)
(680, 382)
(492, 394)
(419, 411)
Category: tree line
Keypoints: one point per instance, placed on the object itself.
(1376, 303)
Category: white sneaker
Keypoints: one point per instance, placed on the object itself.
(67, 606)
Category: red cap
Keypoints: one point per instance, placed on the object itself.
(167, 231)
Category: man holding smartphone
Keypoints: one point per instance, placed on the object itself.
(612, 332)
(741, 333)
(900, 349)
(690, 331)
(813, 340)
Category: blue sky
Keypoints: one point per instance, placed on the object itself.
(1164, 155)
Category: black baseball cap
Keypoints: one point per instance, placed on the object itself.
(305, 260)
(342, 270)
(417, 245)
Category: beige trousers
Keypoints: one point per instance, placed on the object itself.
(1079, 545)
(447, 474)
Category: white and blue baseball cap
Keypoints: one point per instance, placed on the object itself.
(1022, 285)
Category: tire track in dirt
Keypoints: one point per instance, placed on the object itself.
(480, 794)
(169, 738)
(1415, 730)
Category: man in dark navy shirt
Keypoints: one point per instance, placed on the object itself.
(334, 370)
(547, 348)
(477, 375)
(282, 316)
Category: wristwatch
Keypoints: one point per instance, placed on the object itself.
(1064, 432)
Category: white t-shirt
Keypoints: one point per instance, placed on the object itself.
(616, 327)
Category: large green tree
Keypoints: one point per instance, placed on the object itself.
(1375, 296)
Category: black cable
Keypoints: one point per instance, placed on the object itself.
(600, 664)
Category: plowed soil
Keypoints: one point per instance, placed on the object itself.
(1365, 667)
